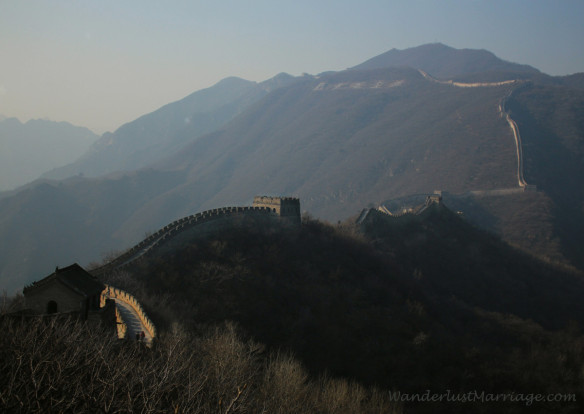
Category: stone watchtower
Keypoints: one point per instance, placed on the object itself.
(70, 289)
(285, 207)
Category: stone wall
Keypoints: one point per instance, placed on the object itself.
(104, 316)
(267, 207)
(121, 327)
(111, 292)
(67, 300)
(170, 231)
(285, 207)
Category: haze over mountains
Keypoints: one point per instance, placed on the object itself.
(339, 141)
(37, 146)
(164, 131)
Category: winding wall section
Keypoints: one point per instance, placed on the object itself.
(502, 110)
(171, 230)
(130, 316)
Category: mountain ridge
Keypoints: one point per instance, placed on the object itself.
(442, 61)
(339, 141)
(140, 142)
(34, 147)
(379, 304)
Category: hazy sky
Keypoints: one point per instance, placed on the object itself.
(101, 63)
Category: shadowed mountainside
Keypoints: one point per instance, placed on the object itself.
(409, 303)
(54, 224)
(551, 121)
(162, 132)
(339, 141)
(345, 139)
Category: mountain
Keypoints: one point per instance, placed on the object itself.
(51, 223)
(409, 303)
(162, 132)
(445, 62)
(318, 318)
(573, 81)
(550, 118)
(342, 140)
(37, 146)
(339, 141)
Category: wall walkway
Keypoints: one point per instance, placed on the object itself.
(502, 110)
(130, 316)
(171, 230)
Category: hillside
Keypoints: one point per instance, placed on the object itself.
(339, 141)
(409, 304)
(74, 368)
(550, 118)
(164, 131)
(32, 148)
(51, 224)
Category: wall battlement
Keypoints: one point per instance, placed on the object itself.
(287, 207)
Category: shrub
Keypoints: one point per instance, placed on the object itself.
(52, 365)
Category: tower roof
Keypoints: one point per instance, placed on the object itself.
(74, 277)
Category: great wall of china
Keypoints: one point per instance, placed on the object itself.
(131, 318)
(431, 199)
(172, 230)
(504, 114)
(168, 232)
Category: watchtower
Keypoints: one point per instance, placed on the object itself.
(285, 207)
(70, 289)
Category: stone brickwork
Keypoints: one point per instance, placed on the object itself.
(285, 207)
(111, 292)
(70, 289)
(64, 299)
(413, 210)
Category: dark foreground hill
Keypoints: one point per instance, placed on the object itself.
(407, 304)
(63, 366)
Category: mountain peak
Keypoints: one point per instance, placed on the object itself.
(443, 61)
(232, 81)
(281, 79)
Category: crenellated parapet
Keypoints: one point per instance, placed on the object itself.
(111, 292)
(287, 208)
